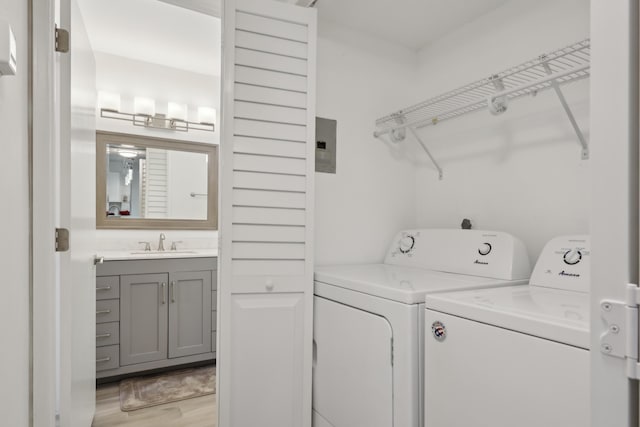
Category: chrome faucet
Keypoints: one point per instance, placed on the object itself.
(161, 242)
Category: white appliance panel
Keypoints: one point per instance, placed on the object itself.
(486, 376)
(474, 252)
(352, 375)
(565, 263)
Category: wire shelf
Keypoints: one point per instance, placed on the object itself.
(548, 71)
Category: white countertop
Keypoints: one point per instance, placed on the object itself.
(139, 254)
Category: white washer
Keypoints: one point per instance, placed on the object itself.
(368, 321)
(514, 356)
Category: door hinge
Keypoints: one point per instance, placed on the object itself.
(620, 339)
(62, 40)
(62, 240)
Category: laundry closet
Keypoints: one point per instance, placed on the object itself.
(329, 213)
(492, 132)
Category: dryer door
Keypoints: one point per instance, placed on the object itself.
(352, 367)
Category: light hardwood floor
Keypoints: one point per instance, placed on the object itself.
(196, 412)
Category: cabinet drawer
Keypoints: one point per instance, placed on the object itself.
(107, 310)
(107, 287)
(107, 357)
(107, 334)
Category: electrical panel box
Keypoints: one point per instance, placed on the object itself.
(326, 131)
(8, 50)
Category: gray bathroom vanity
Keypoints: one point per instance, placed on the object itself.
(154, 313)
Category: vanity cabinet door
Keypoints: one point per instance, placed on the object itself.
(143, 318)
(189, 313)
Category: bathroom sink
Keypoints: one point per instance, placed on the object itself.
(166, 253)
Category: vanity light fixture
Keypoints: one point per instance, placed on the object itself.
(144, 106)
(128, 154)
(177, 112)
(206, 115)
(109, 101)
(144, 114)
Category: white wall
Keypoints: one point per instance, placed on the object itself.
(135, 78)
(371, 196)
(187, 173)
(520, 172)
(131, 78)
(14, 251)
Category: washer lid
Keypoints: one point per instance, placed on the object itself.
(407, 285)
(553, 314)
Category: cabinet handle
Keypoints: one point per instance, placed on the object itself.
(164, 296)
(103, 360)
(103, 312)
(103, 336)
(173, 291)
(105, 288)
(269, 285)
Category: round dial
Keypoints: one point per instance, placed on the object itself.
(406, 244)
(572, 257)
(484, 249)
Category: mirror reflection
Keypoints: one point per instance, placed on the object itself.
(155, 183)
(146, 182)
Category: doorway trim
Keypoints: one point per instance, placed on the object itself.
(42, 161)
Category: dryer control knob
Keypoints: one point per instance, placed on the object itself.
(572, 257)
(485, 249)
(406, 244)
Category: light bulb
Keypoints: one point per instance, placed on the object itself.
(109, 101)
(144, 106)
(206, 115)
(177, 111)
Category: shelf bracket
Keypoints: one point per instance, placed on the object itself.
(424, 147)
(556, 87)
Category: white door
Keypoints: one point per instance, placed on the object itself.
(533, 382)
(77, 206)
(64, 194)
(614, 219)
(352, 367)
(266, 230)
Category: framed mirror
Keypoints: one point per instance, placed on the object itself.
(154, 183)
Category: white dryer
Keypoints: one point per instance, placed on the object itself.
(369, 319)
(514, 356)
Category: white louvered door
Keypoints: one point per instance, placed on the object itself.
(266, 234)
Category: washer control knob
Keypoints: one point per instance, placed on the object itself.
(406, 244)
(485, 249)
(572, 257)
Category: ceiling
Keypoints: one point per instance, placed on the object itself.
(156, 32)
(410, 23)
(188, 36)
